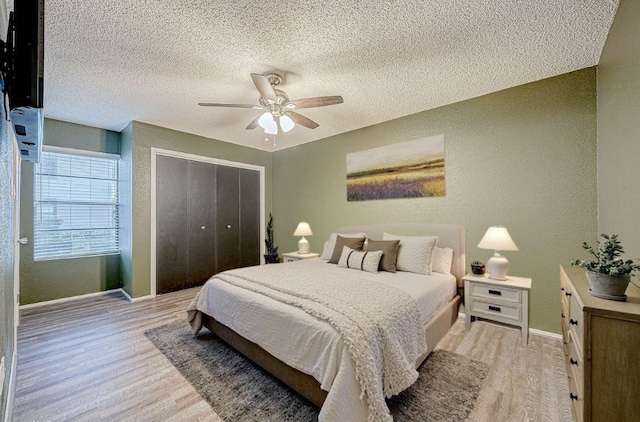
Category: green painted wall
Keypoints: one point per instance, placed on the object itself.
(144, 137)
(524, 158)
(48, 280)
(619, 129)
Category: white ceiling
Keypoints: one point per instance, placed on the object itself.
(110, 62)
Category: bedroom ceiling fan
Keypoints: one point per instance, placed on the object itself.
(279, 110)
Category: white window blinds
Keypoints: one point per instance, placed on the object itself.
(75, 205)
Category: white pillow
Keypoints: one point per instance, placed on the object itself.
(360, 260)
(330, 244)
(441, 260)
(415, 252)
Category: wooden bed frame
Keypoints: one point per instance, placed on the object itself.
(435, 329)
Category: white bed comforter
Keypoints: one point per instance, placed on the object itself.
(379, 325)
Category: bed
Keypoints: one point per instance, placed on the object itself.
(306, 352)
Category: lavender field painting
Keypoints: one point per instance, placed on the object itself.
(406, 170)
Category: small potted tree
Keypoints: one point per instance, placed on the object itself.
(609, 275)
(271, 255)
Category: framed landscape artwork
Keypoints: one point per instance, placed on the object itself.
(412, 169)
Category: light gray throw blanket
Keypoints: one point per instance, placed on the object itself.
(379, 324)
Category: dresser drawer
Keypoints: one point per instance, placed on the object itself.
(506, 312)
(496, 293)
(566, 293)
(565, 336)
(576, 324)
(575, 363)
(577, 399)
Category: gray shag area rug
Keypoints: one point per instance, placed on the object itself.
(240, 391)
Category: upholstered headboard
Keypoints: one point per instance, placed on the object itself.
(450, 235)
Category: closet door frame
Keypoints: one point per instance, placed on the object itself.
(185, 156)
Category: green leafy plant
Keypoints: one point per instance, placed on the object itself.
(608, 258)
(271, 257)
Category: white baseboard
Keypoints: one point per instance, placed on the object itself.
(548, 334)
(134, 299)
(67, 299)
(11, 392)
(535, 331)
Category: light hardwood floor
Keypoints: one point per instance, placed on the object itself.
(89, 360)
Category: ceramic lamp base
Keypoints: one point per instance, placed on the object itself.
(303, 246)
(497, 267)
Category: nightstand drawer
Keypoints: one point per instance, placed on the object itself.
(504, 311)
(289, 259)
(496, 293)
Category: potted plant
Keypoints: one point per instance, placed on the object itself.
(271, 257)
(609, 274)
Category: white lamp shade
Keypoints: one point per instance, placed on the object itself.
(271, 128)
(286, 123)
(265, 120)
(497, 238)
(303, 229)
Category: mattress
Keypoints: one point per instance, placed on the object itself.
(300, 340)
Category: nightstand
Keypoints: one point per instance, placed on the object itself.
(295, 256)
(501, 301)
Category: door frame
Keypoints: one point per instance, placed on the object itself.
(210, 160)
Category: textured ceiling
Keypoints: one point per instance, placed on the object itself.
(108, 62)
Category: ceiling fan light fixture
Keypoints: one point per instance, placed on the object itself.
(286, 123)
(266, 120)
(271, 128)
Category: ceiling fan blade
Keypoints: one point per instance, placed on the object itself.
(301, 120)
(316, 102)
(231, 105)
(254, 123)
(264, 87)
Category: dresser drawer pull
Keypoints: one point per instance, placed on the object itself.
(573, 322)
(495, 292)
(567, 293)
(573, 396)
(562, 315)
(494, 308)
(573, 362)
(562, 289)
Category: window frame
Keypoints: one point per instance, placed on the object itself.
(82, 153)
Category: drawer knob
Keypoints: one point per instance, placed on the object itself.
(562, 315)
(495, 292)
(573, 396)
(573, 362)
(567, 293)
(494, 308)
(562, 289)
(565, 341)
(573, 322)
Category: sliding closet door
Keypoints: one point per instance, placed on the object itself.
(249, 217)
(228, 225)
(202, 222)
(172, 207)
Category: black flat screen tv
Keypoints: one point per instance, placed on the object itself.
(23, 75)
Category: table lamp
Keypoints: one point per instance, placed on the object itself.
(498, 239)
(303, 230)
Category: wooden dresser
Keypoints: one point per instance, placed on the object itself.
(602, 348)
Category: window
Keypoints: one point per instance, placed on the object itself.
(75, 204)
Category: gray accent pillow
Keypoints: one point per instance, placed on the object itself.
(354, 243)
(389, 250)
